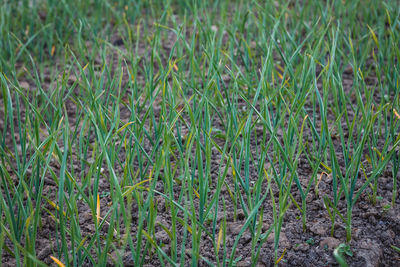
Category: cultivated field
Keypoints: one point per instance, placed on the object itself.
(199, 133)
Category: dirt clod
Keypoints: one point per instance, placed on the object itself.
(330, 243)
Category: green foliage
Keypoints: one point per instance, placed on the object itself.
(113, 110)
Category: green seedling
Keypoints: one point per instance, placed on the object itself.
(340, 252)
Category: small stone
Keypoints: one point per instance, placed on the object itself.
(318, 228)
(265, 226)
(244, 263)
(348, 69)
(214, 150)
(234, 228)
(283, 240)
(116, 254)
(214, 28)
(355, 233)
(267, 165)
(162, 236)
(329, 242)
(302, 247)
(72, 79)
(24, 85)
(246, 237)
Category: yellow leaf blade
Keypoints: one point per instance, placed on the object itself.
(281, 257)
(98, 209)
(396, 114)
(373, 36)
(219, 237)
(57, 261)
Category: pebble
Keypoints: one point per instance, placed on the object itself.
(24, 85)
(162, 236)
(330, 242)
(283, 240)
(302, 247)
(235, 228)
(318, 228)
(244, 263)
